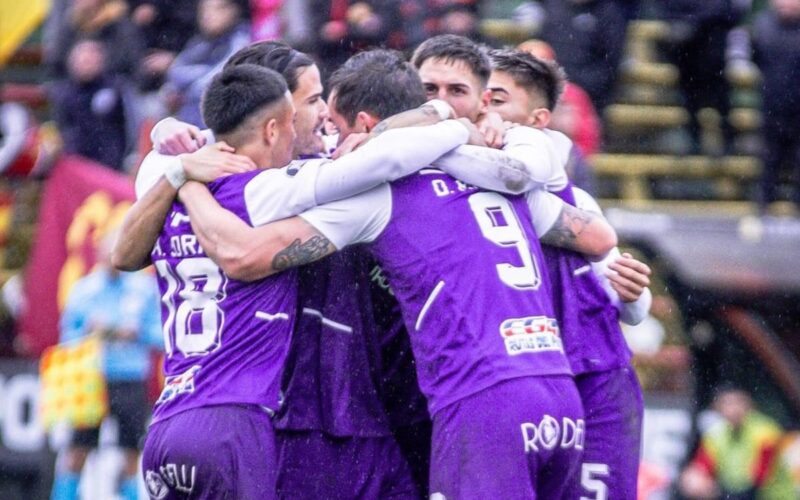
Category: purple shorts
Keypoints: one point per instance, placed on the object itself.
(312, 464)
(521, 438)
(614, 407)
(211, 452)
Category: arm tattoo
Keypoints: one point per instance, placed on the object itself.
(299, 253)
(410, 118)
(569, 225)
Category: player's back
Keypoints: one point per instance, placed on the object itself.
(225, 340)
(467, 268)
(593, 339)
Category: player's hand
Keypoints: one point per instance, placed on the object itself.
(628, 277)
(174, 137)
(493, 129)
(214, 161)
(353, 142)
(475, 135)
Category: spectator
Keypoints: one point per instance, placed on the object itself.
(588, 36)
(223, 30)
(89, 106)
(776, 43)
(123, 309)
(736, 456)
(574, 115)
(462, 20)
(343, 27)
(166, 26)
(266, 20)
(698, 37)
(104, 20)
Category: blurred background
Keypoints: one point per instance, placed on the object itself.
(687, 114)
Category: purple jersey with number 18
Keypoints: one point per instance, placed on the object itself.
(466, 267)
(225, 340)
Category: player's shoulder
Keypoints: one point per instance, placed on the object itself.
(562, 143)
(296, 166)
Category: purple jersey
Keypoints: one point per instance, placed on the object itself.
(465, 266)
(225, 340)
(589, 320)
(331, 375)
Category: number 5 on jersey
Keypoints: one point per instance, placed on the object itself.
(195, 286)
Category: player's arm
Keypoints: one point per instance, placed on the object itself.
(249, 253)
(157, 184)
(171, 136)
(624, 279)
(562, 225)
(526, 162)
(246, 253)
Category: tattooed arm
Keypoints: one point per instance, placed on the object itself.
(239, 249)
(565, 226)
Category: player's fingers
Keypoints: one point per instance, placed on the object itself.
(624, 294)
(168, 146)
(627, 286)
(197, 136)
(223, 146)
(630, 273)
(186, 142)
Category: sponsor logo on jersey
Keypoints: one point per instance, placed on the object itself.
(179, 477)
(549, 433)
(178, 384)
(531, 334)
(156, 487)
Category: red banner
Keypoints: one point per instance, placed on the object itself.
(82, 201)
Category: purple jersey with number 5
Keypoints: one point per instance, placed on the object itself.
(466, 267)
(592, 336)
(225, 340)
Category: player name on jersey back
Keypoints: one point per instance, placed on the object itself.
(467, 268)
(225, 340)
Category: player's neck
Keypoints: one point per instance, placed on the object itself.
(261, 155)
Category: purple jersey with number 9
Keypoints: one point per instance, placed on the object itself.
(225, 340)
(466, 267)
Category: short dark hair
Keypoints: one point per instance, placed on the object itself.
(453, 48)
(531, 73)
(276, 56)
(378, 81)
(238, 92)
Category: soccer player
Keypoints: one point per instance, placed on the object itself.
(466, 267)
(525, 90)
(226, 340)
(324, 370)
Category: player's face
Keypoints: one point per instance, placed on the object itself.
(283, 147)
(340, 121)
(311, 112)
(509, 100)
(454, 83)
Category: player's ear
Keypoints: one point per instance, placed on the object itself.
(486, 97)
(365, 122)
(270, 131)
(540, 118)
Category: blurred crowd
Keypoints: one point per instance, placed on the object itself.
(118, 66)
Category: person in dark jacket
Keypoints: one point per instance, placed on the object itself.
(698, 38)
(589, 37)
(104, 20)
(88, 106)
(776, 44)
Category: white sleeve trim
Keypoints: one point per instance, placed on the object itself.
(545, 210)
(151, 170)
(585, 201)
(390, 156)
(360, 219)
(278, 193)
